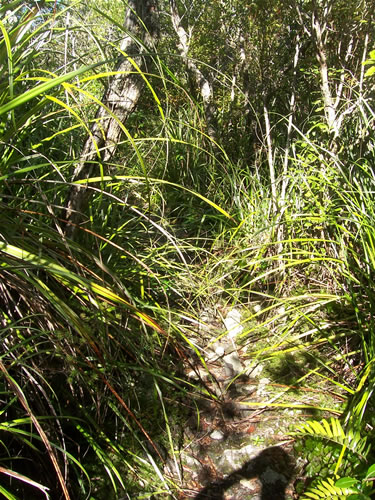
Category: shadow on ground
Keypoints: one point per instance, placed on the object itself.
(273, 467)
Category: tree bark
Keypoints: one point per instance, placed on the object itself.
(118, 102)
(329, 107)
(201, 82)
(271, 164)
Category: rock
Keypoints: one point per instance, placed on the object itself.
(207, 316)
(235, 458)
(270, 476)
(218, 435)
(255, 371)
(198, 374)
(257, 308)
(232, 364)
(232, 323)
(219, 350)
(192, 375)
(250, 484)
(210, 355)
(191, 461)
(263, 382)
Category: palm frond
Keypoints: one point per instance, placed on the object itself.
(333, 431)
(327, 489)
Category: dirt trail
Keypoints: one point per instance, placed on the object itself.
(233, 450)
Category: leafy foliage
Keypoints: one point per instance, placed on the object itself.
(329, 450)
(332, 431)
(275, 208)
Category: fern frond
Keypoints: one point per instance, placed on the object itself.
(332, 431)
(327, 489)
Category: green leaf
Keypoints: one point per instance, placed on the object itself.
(312, 495)
(370, 473)
(7, 494)
(43, 87)
(159, 181)
(346, 482)
(358, 496)
(370, 71)
(332, 431)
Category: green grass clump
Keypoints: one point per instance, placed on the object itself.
(98, 316)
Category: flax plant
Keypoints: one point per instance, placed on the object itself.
(93, 346)
(85, 360)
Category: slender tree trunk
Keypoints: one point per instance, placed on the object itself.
(328, 103)
(292, 105)
(118, 102)
(285, 177)
(200, 81)
(270, 158)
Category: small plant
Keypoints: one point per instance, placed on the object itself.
(362, 487)
(329, 448)
(348, 488)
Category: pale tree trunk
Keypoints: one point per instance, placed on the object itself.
(118, 102)
(328, 103)
(362, 75)
(201, 82)
(360, 93)
(332, 101)
(285, 178)
(292, 106)
(318, 33)
(329, 108)
(270, 159)
(337, 96)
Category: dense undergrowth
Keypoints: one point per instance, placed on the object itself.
(93, 396)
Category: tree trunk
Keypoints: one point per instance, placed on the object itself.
(118, 102)
(270, 158)
(195, 74)
(329, 107)
(292, 109)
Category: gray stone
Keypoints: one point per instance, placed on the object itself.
(217, 435)
(254, 370)
(262, 391)
(232, 323)
(232, 364)
(191, 461)
(235, 458)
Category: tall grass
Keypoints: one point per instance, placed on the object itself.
(93, 351)
(87, 348)
(316, 284)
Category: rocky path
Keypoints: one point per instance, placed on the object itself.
(232, 450)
